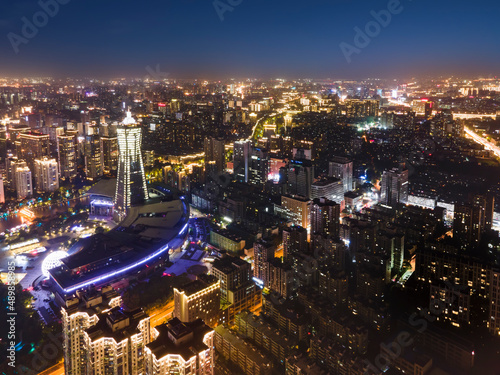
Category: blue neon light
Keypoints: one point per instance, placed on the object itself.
(125, 269)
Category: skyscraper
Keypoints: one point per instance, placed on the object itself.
(394, 187)
(46, 175)
(131, 182)
(341, 168)
(93, 157)
(215, 151)
(241, 159)
(24, 182)
(109, 147)
(300, 177)
(33, 146)
(259, 167)
(66, 149)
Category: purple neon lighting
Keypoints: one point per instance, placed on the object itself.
(125, 269)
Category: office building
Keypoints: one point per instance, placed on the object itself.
(241, 160)
(300, 177)
(330, 188)
(199, 299)
(181, 348)
(394, 187)
(46, 175)
(131, 182)
(341, 168)
(259, 167)
(66, 149)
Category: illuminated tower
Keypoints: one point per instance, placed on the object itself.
(131, 183)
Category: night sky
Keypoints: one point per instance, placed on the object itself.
(258, 38)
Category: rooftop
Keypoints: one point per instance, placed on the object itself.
(169, 340)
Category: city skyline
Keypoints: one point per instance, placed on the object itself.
(217, 187)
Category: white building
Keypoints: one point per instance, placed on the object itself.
(46, 175)
(78, 314)
(24, 182)
(181, 348)
(131, 181)
(331, 188)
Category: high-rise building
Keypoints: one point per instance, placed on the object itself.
(394, 187)
(109, 147)
(93, 157)
(66, 149)
(279, 277)
(341, 168)
(46, 175)
(486, 204)
(330, 188)
(199, 299)
(131, 182)
(116, 343)
(296, 209)
(325, 217)
(237, 288)
(494, 311)
(300, 177)
(361, 108)
(24, 181)
(2, 191)
(468, 223)
(263, 251)
(215, 151)
(241, 160)
(181, 348)
(78, 314)
(294, 241)
(33, 146)
(259, 167)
